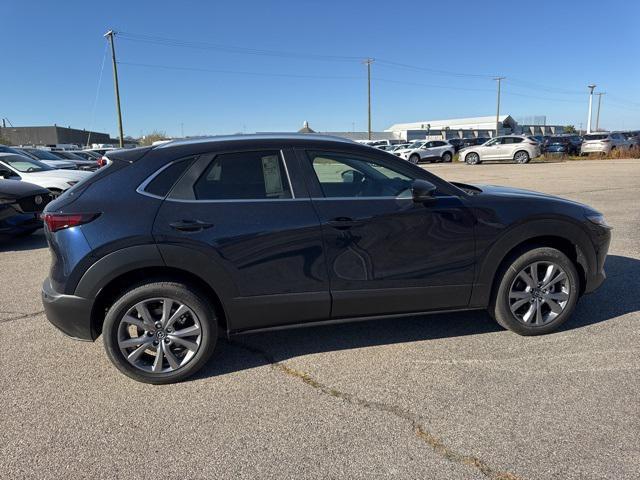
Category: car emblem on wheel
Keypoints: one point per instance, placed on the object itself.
(38, 199)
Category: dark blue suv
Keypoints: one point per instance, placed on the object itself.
(167, 247)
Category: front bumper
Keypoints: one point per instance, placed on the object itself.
(70, 314)
(601, 237)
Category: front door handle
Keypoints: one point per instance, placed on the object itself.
(344, 223)
(190, 225)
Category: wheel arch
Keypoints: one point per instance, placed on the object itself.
(109, 293)
(563, 236)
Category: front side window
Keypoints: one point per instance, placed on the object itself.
(493, 141)
(243, 175)
(343, 175)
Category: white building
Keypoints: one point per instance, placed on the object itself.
(468, 128)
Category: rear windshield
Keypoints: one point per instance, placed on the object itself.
(559, 140)
(598, 136)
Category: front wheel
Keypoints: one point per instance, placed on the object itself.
(447, 157)
(472, 158)
(536, 291)
(415, 158)
(160, 332)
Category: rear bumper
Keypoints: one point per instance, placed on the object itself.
(68, 313)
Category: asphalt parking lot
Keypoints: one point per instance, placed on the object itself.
(442, 396)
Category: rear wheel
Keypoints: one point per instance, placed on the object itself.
(472, 158)
(415, 158)
(446, 157)
(537, 291)
(160, 332)
(521, 157)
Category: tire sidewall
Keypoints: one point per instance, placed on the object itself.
(414, 158)
(447, 157)
(501, 309)
(526, 160)
(178, 292)
(468, 158)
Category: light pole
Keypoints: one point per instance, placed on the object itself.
(499, 80)
(368, 63)
(590, 87)
(598, 111)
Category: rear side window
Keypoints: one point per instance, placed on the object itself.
(244, 175)
(165, 179)
(511, 140)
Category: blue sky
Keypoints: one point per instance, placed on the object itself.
(548, 50)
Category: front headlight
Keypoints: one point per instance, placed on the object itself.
(598, 219)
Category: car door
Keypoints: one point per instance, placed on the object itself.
(386, 254)
(247, 218)
(429, 150)
(491, 149)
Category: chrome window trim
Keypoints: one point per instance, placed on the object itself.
(150, 178)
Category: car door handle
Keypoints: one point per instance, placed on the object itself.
(343, 223)
(190, 225)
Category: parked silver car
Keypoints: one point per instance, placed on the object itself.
(516, 148)
(603, 143)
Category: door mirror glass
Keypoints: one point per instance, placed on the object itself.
(423, 191)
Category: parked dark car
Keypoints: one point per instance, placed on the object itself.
(456, 142)
(20, 206)
(81, 162)
(563, 145)
(470, 142)
(245, 233)
(45, 157)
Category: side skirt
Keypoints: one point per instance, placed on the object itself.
(337, 321)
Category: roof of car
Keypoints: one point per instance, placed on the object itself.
(254, 137)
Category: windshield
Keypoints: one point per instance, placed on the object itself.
(42, 154)
(416, 144)
(557, 140)
(26, 165)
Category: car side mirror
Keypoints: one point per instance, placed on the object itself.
(423, 191)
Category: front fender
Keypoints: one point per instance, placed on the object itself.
(490, 260)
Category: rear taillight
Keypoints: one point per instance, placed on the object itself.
(60, 221)
(102, 161)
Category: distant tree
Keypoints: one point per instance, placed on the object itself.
(570, 129)
(154, 136)
(4, 141)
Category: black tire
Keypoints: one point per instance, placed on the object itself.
(190, 297)
(472, 158)
(447, 157)
(414, 158)
(500, 306)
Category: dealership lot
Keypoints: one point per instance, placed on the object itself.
(443, 396)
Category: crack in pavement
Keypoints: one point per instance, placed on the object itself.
(21, 316)
(414, 420)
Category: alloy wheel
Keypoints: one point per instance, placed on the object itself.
(159, 335)
(521, 157)
(472, 158)
(539, 293)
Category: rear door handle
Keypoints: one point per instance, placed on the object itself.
(344, 223)
(190, 225)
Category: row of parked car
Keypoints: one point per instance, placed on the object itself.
(30, 178)
(517, 148)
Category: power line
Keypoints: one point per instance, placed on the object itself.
(172, 42)
(241, 72)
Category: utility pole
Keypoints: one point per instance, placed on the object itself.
(598, 114)
(499, 80)
(590, 87)
(109, 36)
(368, 63)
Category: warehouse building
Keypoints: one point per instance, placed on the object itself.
(53, 135)
(471, 127)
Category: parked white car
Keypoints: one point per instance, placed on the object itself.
(603, 143)
(18, 167)
(431, 150)
(516, 148)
